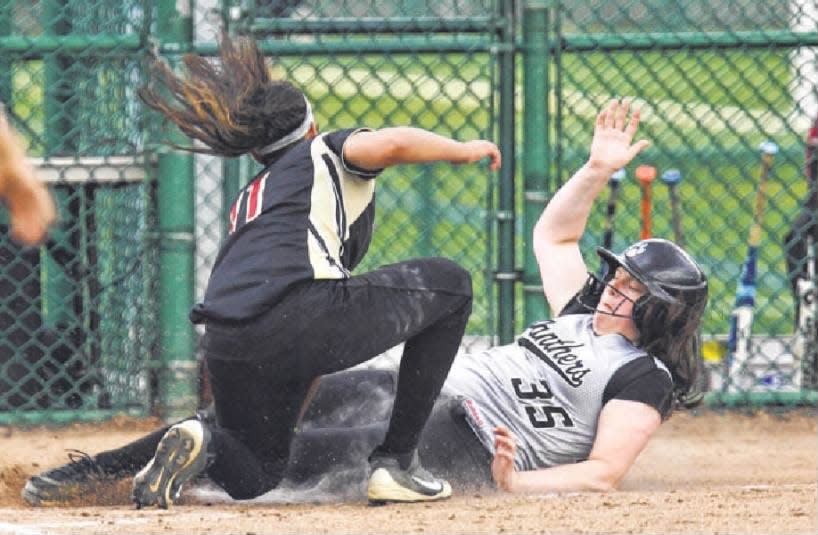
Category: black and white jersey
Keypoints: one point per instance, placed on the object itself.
(549, 387)
(308, 215)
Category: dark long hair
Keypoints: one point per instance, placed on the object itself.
(670, 332)
(230, 104)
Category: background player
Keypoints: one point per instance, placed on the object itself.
(30, 206)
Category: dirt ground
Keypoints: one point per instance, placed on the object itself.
(707, 472)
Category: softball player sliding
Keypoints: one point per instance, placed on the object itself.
(568, 406)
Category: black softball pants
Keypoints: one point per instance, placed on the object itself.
(346, 419)
(260, 372)
(342, 425)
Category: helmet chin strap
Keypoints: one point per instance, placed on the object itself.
(614, 314)
(590, 308)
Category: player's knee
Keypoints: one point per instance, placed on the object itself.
(451, 276)
(243, 494)
(251, 491)
(270, 476)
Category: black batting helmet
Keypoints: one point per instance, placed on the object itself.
(669, 314)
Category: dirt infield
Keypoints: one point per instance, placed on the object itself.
(704, 473)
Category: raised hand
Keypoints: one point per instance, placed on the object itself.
(611, 147)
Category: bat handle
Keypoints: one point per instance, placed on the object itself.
(646, 209)
(607, 239)
(676, 216)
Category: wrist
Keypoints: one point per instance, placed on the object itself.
(598, 169)
(509, 482)
(465, 152)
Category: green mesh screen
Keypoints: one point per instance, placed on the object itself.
(75, 321)
(714, 79)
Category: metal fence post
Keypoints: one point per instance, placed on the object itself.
(506, 272)
(5, 64)
(536, 144)
(58, 290)
(178, 372)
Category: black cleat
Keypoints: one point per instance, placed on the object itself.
(79, 477)
(180, 456)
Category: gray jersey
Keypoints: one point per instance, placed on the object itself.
(547, 388)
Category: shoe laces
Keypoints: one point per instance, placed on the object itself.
(80, 464)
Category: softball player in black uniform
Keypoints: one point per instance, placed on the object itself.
(568, 406)
(281, 306)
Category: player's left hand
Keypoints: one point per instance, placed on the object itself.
(502, 466)
(611, 147)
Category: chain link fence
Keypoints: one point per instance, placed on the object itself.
(84, 318)
(75, 314)
(714, 80)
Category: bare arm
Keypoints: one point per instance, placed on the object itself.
(29, 203)
(400, 145)
(623, 430)
(562, 223)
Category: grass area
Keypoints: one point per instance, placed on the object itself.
(705, 112)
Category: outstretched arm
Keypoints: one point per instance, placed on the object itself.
(562, 223)
(400, 145)
(27, 199)
(623, 431)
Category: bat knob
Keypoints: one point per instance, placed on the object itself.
(671, 177)
(618, 175)
(645, 173)
(768, 147)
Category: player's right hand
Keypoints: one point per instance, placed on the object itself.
(502, 466)
(30, 205)
(477, 150)
(32, 213)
